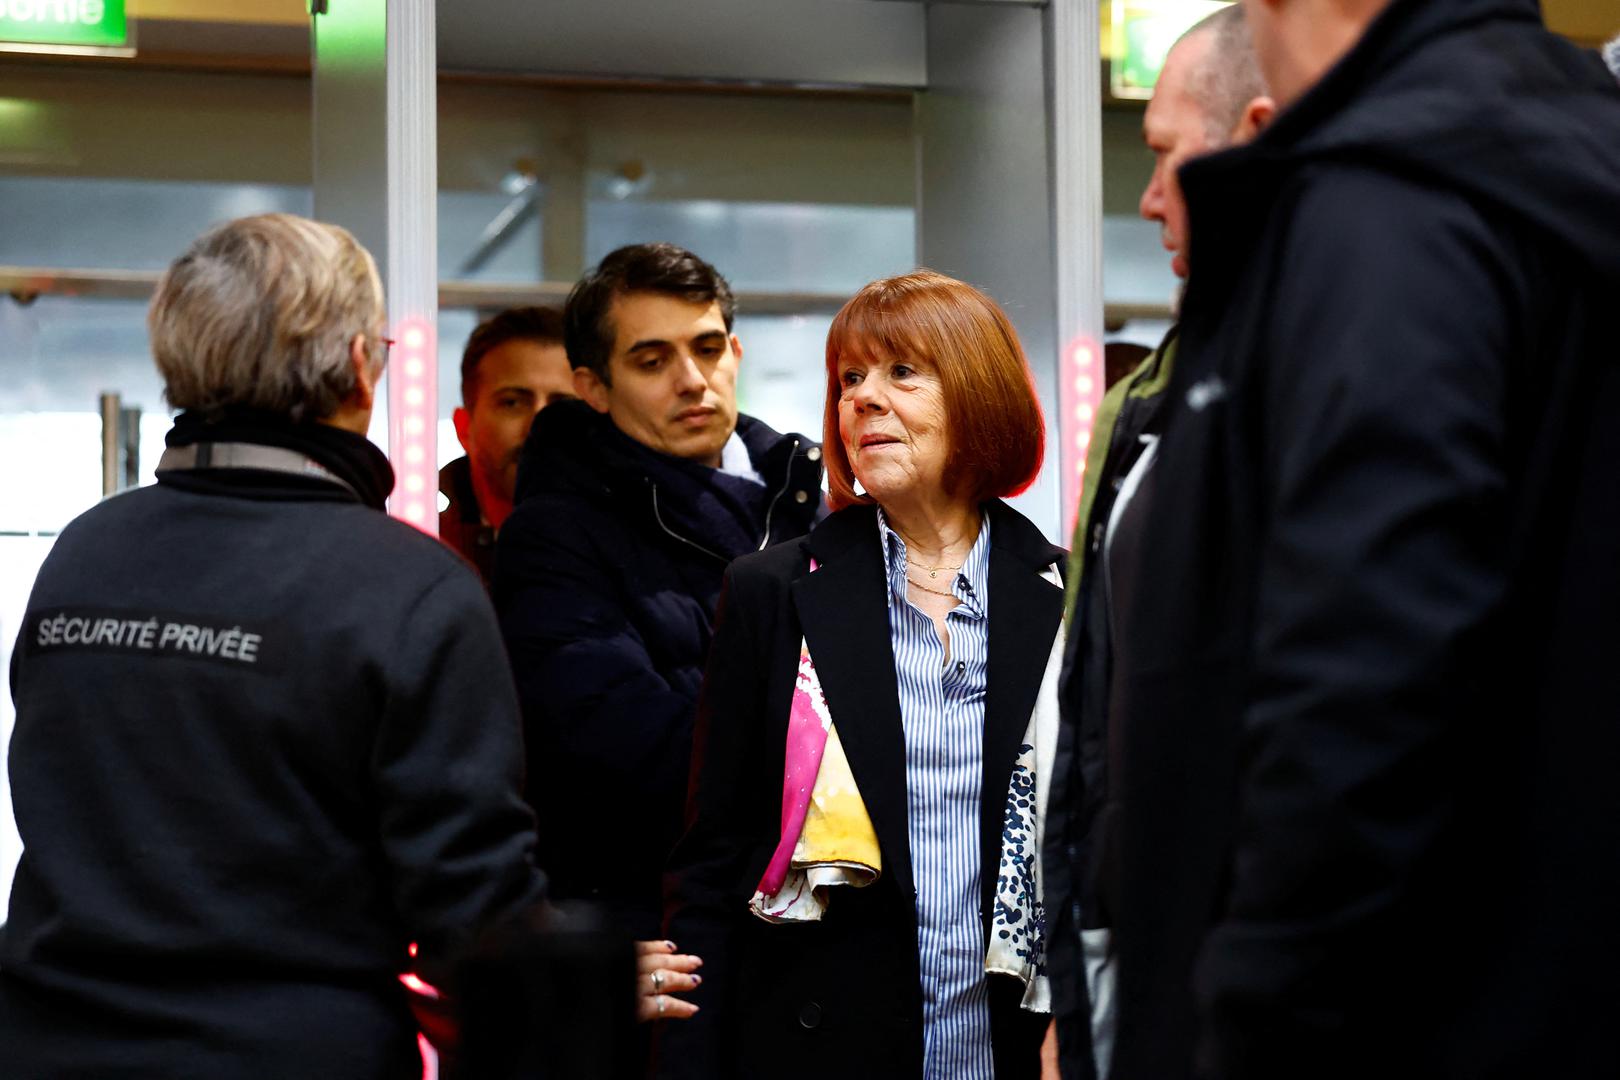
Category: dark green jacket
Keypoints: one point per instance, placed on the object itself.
(1077, 833)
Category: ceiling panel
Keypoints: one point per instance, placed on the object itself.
(849, 42)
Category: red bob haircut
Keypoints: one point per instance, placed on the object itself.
(997, 434)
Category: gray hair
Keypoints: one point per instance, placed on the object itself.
(260, 312)
(1611, 56)
(1227, 77)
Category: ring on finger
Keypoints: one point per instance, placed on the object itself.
(660, 1002)
(657, 980)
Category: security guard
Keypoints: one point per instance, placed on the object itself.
(266, 737)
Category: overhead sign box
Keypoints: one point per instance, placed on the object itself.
(1143, 32)
(66, 26)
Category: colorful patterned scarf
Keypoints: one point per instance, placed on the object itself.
(827, 837)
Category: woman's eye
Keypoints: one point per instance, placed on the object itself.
(902, 371)
(850, 378)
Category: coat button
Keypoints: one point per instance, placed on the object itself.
(814, 453)
(801, 497)
(810, 1015)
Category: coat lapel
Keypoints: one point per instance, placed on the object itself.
(1025, 610)
(844, 610)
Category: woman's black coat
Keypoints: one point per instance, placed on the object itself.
(842, 996)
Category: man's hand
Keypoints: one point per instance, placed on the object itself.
(660, 973)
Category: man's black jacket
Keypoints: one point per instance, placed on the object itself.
(1370, 823)
(265, 741)
(606, 579)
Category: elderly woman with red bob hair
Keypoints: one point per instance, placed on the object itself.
(859, 872)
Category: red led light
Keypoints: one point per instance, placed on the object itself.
(420, 987)
(413, 423)
(1079, 391)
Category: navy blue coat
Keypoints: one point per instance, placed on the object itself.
(291, 750)
(607, 576)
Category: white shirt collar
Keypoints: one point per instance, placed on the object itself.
(734, 459)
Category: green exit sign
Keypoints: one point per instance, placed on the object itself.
(66, 25)
(1143, 32)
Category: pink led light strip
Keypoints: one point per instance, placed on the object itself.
(1080, 391)
(412, 426)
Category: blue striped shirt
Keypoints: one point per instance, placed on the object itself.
(942, 710)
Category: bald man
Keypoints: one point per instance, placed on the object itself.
(1370, 824)
(1209, 96)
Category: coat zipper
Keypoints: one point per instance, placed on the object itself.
(658, 517)
(787, 482)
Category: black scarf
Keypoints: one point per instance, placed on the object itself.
(352, 457)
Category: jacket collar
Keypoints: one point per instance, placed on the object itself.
(347, 455)
(1470, 95)
(843, 608)
(573, 448)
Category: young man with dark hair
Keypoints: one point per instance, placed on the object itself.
(514, 366)
(632, 503)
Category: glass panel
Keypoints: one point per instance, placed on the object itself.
(59, 355)
(782, 379)
(464, 218)
(787, 247)
(97, 224)
(123, 224)
(1136, 267)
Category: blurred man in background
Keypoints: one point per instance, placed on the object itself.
(1369, 824)
(1209, 96)
(514, 366)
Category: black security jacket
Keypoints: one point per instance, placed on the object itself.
(236, 821)
(1370, 824)
(606, 578)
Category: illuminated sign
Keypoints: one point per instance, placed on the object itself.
(1143, 32)
(63, 26)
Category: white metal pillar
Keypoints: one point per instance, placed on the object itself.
(376, 174)
(1074, 32)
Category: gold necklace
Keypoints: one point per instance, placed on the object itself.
(933, 571)
(926, 589)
